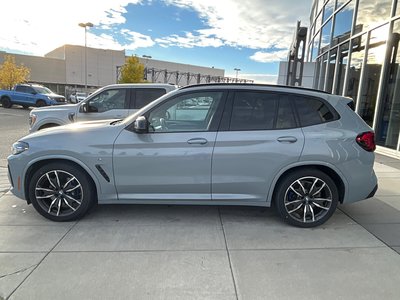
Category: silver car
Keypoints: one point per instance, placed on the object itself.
(214, 144)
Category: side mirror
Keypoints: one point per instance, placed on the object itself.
(141, 125)
(84, 107)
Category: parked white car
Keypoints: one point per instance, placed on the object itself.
(76, 97)
(115, 101)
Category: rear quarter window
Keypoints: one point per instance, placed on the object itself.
(312, 111)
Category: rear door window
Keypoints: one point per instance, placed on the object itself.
(21, 89)
(261, 111)
(285, 116)
(253, 111)
(142, 97)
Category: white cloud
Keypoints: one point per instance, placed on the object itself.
(256, 24)
(136, 40)
(190, 40)
(40, 26)
(273, 56)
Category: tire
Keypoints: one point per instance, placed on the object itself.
(306, 198)
(40, 103)
(61, 192)
(6, 102)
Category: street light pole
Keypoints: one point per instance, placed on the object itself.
(145, 67)
(237, 72)
(85, 25)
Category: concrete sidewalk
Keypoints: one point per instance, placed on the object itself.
(192, 252)
(4, 183)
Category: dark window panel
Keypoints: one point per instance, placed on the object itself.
(253, 111)
(312, 111)
(145, 96)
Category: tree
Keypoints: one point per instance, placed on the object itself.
(11, 74)
(132, 71)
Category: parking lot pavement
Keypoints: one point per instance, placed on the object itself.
(192, 252)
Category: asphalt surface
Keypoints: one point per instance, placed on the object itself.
(198, 252)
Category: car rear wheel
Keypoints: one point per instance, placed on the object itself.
(306, 198)
(61, 192)
(6, 102)
(40, 103)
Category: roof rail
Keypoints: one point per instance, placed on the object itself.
(257, 84)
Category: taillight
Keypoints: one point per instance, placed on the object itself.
(367, 141)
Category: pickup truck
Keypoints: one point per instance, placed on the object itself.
(114, 101)
(30, 95)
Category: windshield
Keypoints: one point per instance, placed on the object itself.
(42, 90)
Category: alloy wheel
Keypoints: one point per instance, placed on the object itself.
(308, 199)
(59, 193)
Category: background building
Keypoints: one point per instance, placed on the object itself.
(63, 69)
(353, 46)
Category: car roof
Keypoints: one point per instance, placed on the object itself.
(254, 85)
(144, 85)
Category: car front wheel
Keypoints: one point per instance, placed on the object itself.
(306, 198)
(61, 192)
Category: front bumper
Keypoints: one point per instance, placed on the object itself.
(10, 177)
(15, 176)
(373, 192)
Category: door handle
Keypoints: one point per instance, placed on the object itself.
(287, 139)
(197, 141)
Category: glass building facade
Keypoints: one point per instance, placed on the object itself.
(355, 46)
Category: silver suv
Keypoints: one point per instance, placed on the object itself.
(110, 102)
(216, 144)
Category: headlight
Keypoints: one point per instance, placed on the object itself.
(19, 147)
(32, 119)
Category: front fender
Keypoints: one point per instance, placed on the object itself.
(59, 158)
(38, 124)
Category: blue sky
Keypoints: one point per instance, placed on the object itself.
(252, 35)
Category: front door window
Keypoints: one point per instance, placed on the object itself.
(108, 100)
(191, 112)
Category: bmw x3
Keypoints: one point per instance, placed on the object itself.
(304, 151)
